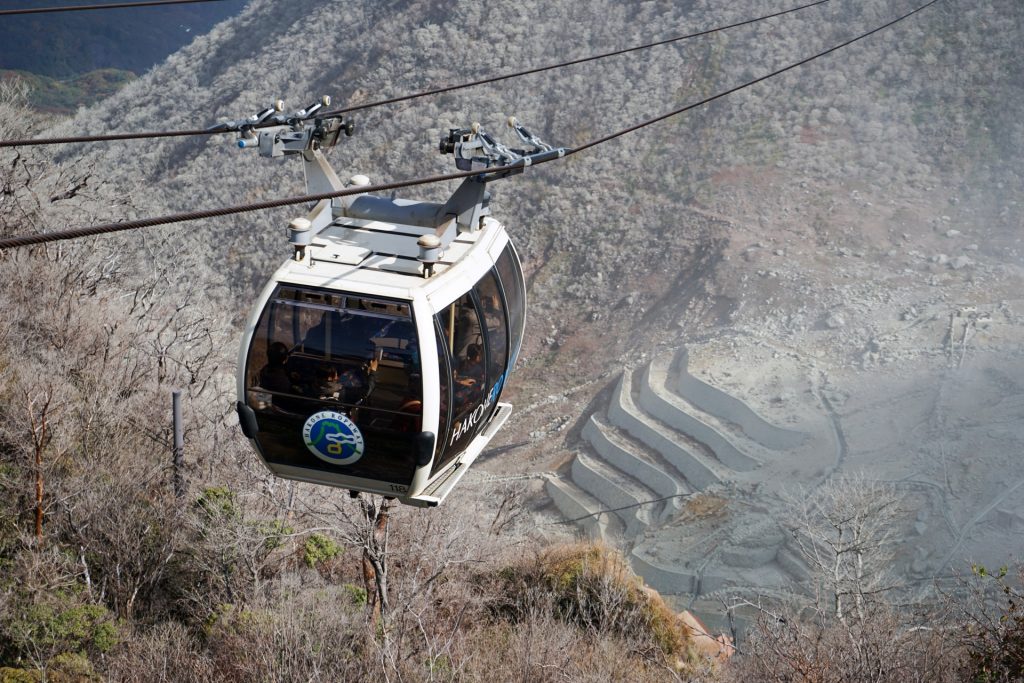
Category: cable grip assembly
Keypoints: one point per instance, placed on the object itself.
(276, 133)
(475, 149)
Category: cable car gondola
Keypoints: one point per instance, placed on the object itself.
(375, 358)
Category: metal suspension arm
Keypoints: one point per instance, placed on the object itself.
(475, 149)
(276, 133)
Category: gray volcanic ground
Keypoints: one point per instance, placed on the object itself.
(899, 360)
(838, 250)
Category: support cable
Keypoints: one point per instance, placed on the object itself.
(773, 74)
(404, 98)
(598, 513)
(582, 60)
(113, 5)
(40, 238)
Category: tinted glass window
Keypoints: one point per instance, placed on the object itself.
(463, 340)
(493, 309)
(354, 355)
(515, 298)
(445, 375)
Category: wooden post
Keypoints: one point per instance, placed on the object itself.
(178, 449)
(39, 491)
(40, 437)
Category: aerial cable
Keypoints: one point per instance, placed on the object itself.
(777, 72)
(116, 5)
(404, 98)
(105, 228)
(40, 238)
(582, 60)
(598, 513)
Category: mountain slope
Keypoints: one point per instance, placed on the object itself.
(843, 240)
(68, 44)
(924, 104)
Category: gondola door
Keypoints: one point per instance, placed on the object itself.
(474, 335)
(333, 385)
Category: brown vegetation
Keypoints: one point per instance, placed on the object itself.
(107, 572)
(104, 572)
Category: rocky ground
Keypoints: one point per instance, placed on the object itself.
(838, 248)
(886, 326)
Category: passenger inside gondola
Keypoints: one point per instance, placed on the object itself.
(329, 385)
(469, 375)
(274, 375)
(471, 370)
(360, 382)
(467, 326)
(277, 377)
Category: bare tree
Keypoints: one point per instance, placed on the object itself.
(988, 612)
(845, 530)
(39, 416)
(854, 628)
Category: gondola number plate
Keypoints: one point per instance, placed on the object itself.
(333, 438)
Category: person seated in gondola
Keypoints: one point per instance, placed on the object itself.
(329, 385)
(469, 376)
(357, 383)
(473, 366)
(276, 376)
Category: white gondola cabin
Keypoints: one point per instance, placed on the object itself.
(374, 360)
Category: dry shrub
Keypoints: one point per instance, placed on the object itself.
(885, 645)
(293, 636)
(47, 620)
(164, 653)
(703, 506)
(543, 649)
(991, 609)
(591, 587)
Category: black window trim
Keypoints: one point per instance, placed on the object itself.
(442, 429)
(513, 354)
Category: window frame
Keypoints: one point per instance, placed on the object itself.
(519, 282)
(387, 441)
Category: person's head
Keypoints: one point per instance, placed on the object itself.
(473, 353)
(277, 354)
(327, 373)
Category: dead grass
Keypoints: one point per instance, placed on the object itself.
(704, 506)
(591, 587)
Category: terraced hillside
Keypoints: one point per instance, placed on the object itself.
(669, 437)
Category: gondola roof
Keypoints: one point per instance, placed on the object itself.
(375, 257)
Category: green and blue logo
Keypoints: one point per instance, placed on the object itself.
(333, 438)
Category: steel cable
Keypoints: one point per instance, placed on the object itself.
(582, 60)
(116, 5)
(39, 238)
(790, 67)
(598, 513)
(404, 98)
